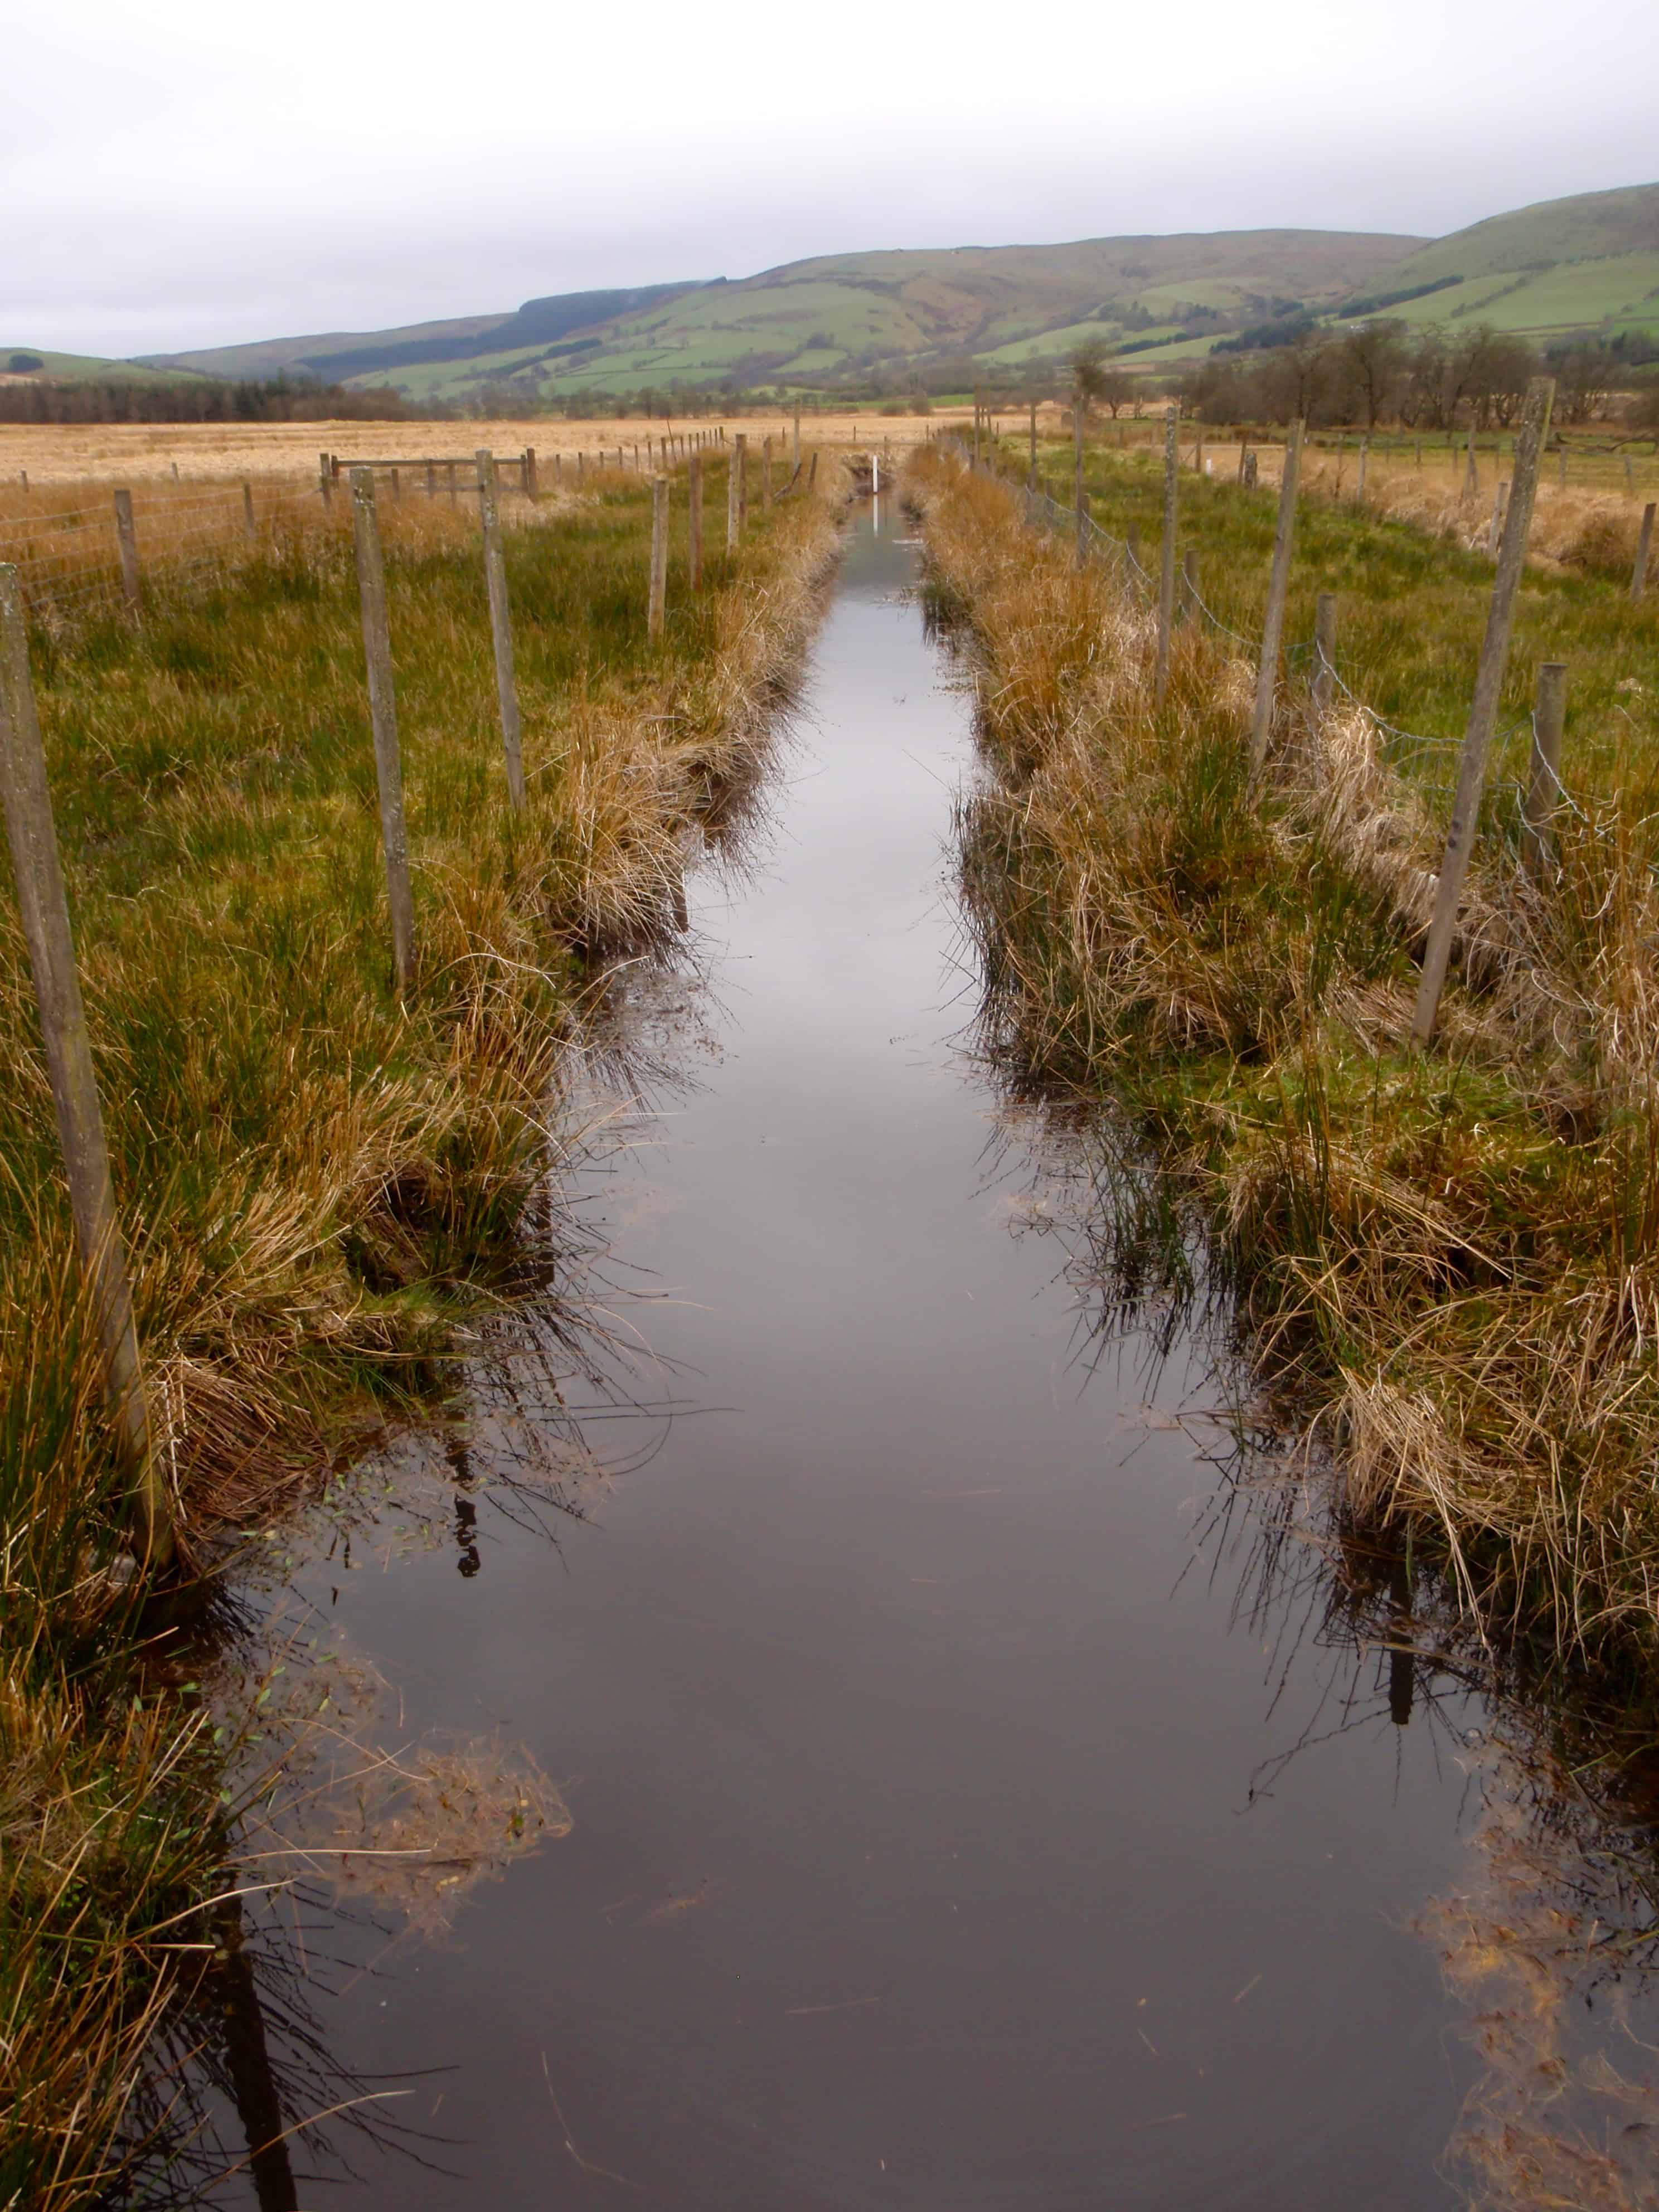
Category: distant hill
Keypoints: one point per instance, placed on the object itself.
(844, 313)
(1590, 262)
(953, 314)
(70, 367)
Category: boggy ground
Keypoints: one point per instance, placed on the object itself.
(1450, 1261)
(324, 1188)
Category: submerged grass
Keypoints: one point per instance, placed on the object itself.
(323, 1188)
(1449, 1263)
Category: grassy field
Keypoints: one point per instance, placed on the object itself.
(1447, 1265)
(323, 1188)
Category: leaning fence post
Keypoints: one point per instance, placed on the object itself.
(1324, 682)
(658, 555)
(1167, 565)
(126, 539)
(1483, 708)
(44, 909)
(694, 520)
(383, 717)
(501, 626)
(1279, 580)
(1638, 577)
(1549, 716)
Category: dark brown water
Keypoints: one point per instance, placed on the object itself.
(935, 1844)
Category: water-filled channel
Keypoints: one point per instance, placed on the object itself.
(934, 1842)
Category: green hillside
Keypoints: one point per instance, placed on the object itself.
(845, 315)
(1584, 263)
(73, 367)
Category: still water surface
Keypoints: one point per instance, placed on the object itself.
(934, 1842)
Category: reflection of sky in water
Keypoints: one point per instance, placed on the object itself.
(933, 1842)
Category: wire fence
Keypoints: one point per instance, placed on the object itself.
(1429, 763)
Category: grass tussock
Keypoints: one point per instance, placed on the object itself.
(323, 1188)
(1450, 1262)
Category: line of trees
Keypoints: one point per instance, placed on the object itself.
(1385, 371)
(205, 399)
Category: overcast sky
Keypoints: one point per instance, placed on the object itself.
(179, 174)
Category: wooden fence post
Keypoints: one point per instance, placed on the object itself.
(741, 460)
(1324, 681)
(43, 906)
(431, 480)
(383, 717)
(126, 539)
(1549, 716)
(1364, 457)
(694, 520)
(449, 486)
(766, 472)
(326, 478)
(1638, 579)
(248, 522)
(397, 485)
(812, 473)
(531, 486)
(659, 556)
(1166, 576)
(501, 626)
(1279, 580)
(1483, 708)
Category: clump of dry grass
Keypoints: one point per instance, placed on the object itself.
(1449, 1263)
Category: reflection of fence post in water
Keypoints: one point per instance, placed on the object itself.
(1278, 582)
(1483, 709)
(383, 716)
(247, 2063)
(44, 905)
(1166, 573)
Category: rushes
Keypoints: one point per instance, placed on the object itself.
(1450, 1264)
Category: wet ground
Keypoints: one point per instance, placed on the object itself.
(950, 1830)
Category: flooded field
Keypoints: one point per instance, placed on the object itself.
(968, 1807)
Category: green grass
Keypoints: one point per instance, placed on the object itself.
(1440, 1260)
(320, 1186)
(1411, 609)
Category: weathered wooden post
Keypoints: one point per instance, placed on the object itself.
(812, 473)
(383, 717)
(501, 626)
(1243, 450)
(694, 520)
(1324, 681)
(532, 483)
(326, 478)
(1279, 580)
(397, 486)
(1639, 579)
(766, 472)
(249, 525)
(1483, 709)
(43, 906)
(1549, 716)
(1166, 577)
(741, 459)
(127, 540)
(449, 484)
(581, 468)
(431, 480)
(1364, 457)
(659, 556)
